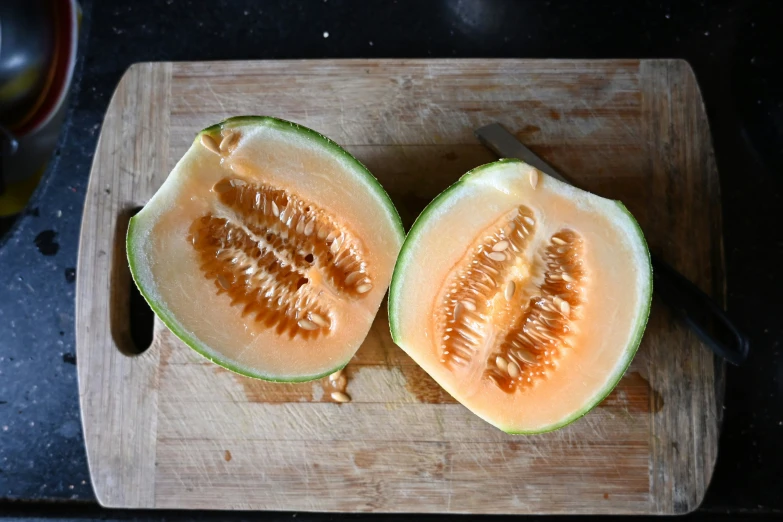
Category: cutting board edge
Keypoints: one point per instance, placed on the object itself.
(133, 70)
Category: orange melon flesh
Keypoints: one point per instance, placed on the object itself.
(280, 156)
(605, 320)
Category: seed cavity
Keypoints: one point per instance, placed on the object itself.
(540, 334)
(479, 279)
(262, 263)
(222, 186)
(523, 303)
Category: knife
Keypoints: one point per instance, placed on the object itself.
(703, 315)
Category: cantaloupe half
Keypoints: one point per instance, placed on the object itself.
(268, 249)
(524, 297)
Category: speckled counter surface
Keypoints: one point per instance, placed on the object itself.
(42, 455)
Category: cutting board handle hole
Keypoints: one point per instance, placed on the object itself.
(132, 320)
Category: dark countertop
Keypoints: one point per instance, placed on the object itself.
(42, 455)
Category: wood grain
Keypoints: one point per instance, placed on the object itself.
(167, 429)
(119, 393)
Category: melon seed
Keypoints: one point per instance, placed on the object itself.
(319, 319)
(228, 141)
(336, 244)
(534, 178)
(558, 241)
(501, 363)
(209, 143)
(222, 282)
(526, 356)
(340, 383)
(336, 375)
(500, 246)
(307, 325)
(353, 277)
(340, 396)
(510, 288)
(497, 256)
(321, 232)
(363, 289)
(513, 370)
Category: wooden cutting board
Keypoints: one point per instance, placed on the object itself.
(167, 429)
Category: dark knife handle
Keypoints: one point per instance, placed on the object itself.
(700, 312)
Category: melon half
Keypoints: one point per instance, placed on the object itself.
(525, 298)
(268, 249)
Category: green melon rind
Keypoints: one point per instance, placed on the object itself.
(173, 324)
(406, 257)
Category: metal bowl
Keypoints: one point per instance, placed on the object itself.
(26, 52)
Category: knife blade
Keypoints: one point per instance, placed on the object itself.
(703, 315)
